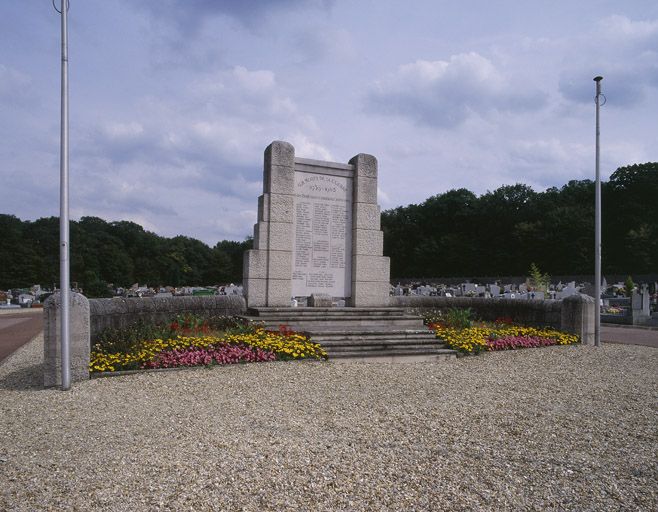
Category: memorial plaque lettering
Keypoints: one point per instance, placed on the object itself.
(323, 235)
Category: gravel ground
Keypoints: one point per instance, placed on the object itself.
(559, 428)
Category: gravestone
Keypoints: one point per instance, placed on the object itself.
(318, 232)
(495, 290)
(568, 291)
(468, 288)
(588, 289)
(646, 300)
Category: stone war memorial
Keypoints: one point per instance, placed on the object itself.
(318, 243)
(317, 267)
(318, 233)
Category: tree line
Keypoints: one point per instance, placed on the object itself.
(503, 232)
(118, 253)
(455, 233)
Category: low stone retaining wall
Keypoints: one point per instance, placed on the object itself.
(617, 319)
(89, 317)
(117, 313)
(574, 314)
(527, 312)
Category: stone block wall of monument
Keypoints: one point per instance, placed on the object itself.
(318, 231)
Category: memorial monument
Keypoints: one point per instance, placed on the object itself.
(318, 233)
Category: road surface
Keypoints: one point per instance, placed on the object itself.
(629, 335)
(17, 328)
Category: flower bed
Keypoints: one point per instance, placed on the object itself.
(459, 332)
(202, 349)
(472, 340)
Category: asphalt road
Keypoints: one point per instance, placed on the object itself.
(18, 328)
(629, 335)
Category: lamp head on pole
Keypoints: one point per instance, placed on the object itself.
(598, 78)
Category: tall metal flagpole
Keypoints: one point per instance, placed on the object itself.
(64, 206)
(597, 224)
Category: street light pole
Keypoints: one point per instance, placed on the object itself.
(597, 224)
(64, 277)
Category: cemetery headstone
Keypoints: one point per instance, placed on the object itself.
(588, 289)
(567, 291)
(469, 287)
(646, 303)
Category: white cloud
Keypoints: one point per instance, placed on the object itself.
(13, 83)
(446, 93)
(122, 131)
(196, 155)
(623, 51)
(624, 30)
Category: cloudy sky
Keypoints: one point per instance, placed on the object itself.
(173, 101)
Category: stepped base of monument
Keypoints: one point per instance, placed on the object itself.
(359, 334)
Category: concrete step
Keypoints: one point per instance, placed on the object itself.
(359, 334)
(337, 323)
(392, 349)
(344, 318)
(366, 343)
(301, 311)
(381, 349)
(375, 335)
(395, 356)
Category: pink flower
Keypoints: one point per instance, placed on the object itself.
(220, 354)
(513, 342)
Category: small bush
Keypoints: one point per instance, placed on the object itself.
(458, 318)
(453, 317)
(127, 338)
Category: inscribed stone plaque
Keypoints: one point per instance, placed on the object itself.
(322, 250)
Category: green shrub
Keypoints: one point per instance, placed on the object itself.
(131, 337)
(458, 318)
(125, 339)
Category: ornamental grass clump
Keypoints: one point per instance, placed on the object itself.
(202, 348)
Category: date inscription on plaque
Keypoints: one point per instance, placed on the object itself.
(322, 251)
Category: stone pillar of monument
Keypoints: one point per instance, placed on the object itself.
(79, 344)
(268, 266)
(370, 269)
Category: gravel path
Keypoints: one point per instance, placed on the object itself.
(559, 428)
